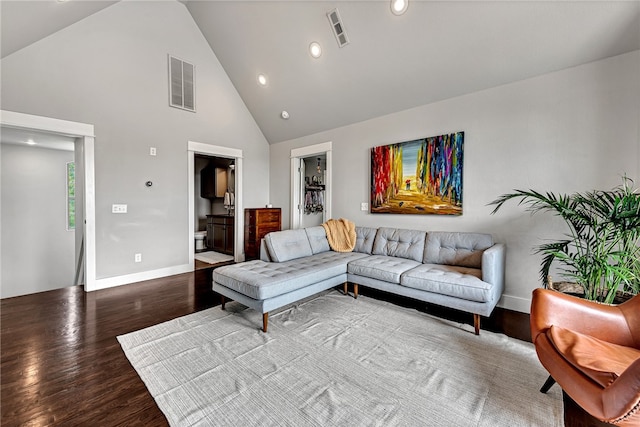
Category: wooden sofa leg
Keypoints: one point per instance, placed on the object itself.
(355, 290)
(222, 301)
(476, 323)
(265, 321)
(345, 288)
(547, 384)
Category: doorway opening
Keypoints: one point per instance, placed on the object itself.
(80, 139)
(215, 205)
(310, 185)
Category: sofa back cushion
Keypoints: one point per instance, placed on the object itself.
(317, 239)
(400, 243)
(456, 248)
(364, 239)
(288, 244)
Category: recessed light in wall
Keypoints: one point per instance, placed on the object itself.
(284, 115)
(262, 79)
(398, 7)
(315, 50)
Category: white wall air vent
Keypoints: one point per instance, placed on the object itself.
(182, 84)
(337, 27)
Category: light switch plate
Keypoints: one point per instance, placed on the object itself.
(152, 151)
(118, 208)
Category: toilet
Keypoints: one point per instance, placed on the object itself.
(200, 236)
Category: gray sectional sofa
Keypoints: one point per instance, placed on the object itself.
(463, 271)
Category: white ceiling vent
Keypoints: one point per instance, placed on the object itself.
(182, 84)
(337, 27)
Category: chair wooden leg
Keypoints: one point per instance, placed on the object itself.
(265, 321)
(222, 301)
(476, 323)
(547, 384)
(355, 290)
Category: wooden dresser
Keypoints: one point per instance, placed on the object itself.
(257, 223)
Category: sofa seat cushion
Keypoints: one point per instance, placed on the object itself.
(601, 361)
(262, 280)
(459, 282)
(382, 267)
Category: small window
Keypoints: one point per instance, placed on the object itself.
(71, 196)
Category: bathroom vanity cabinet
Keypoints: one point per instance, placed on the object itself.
(220, 233)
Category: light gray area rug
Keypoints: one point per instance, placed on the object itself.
(335, 361)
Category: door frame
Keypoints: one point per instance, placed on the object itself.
(297, 154)
(85, 243)
(194, 148)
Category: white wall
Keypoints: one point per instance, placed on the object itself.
(37, 250)
(110, 70)
(571, 130)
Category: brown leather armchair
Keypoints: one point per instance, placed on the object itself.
(592, 351)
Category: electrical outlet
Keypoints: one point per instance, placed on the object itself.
(364, 206)
(152, 151)
(138, 258)
(118, 208)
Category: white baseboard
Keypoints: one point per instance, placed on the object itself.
(110, 282)
(509, 302)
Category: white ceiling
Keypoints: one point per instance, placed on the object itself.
(437, 50)
(51, 141)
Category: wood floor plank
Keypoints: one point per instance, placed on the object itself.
(61, 363)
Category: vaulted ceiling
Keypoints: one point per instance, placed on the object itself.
(435, 51)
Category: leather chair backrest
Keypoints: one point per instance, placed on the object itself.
(631, 311)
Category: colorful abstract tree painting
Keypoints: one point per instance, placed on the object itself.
(423, 176)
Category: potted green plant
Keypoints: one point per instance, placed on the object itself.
(601, 250)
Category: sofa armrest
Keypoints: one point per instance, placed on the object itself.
(493, 264)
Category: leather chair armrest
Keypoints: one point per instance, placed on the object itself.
(601, 321)
(623, 396)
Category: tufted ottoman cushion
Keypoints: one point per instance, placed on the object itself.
(382, 267)
(262, 280)
(459, 282)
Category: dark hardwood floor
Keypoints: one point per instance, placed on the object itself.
(61, 364)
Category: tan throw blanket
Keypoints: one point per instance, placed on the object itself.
(341, 234)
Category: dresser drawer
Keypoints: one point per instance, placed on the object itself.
(257, 223)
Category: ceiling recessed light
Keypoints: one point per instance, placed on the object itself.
(284, 114)
(30, 142)
(315, 50)
(398, 7)
(262, 79)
